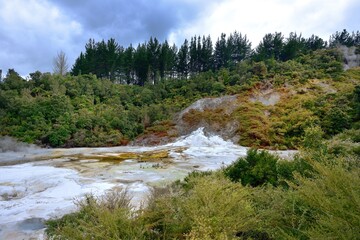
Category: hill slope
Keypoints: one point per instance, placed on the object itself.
(266, 104)
(274, 115)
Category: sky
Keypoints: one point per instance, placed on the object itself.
(33, 32)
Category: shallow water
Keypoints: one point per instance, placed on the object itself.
(39, 184)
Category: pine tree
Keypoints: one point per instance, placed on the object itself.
(293, 47)
(102, 67)
(79, 66)
(221, 55)
(141, 64)
(341, 38)
(239, 47)
(206, 54)
(167, 60)
(90, 57)
(183, 60)
(314, 43)
(153, 55)
(114, 57)
(270, 47)
(128, 65)
(193, 60)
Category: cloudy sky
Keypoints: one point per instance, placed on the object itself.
(32, 32)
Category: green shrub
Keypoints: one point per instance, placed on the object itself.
(259, 69)
(335, 121)
(333, 198)
(109, 217)
(59, 135)
(218, 209)
(256, 169)
(214, 208)
(218, 87)
(253, 125)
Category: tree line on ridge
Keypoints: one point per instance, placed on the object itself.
(153, 61)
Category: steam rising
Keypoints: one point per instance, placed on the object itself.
(9, 144)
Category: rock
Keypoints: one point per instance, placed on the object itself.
(211, 104)
(213, 115)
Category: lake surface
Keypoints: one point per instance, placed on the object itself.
(38, 184)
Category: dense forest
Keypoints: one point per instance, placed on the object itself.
(153, 61)
(112, 94)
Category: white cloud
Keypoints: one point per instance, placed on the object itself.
(33, 31)
(257, 17)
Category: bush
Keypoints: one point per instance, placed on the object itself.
(259, 69)
(253, 125)
(335, 121)
(332, 197)
(109, 217)
(214, 216)
(214, 208)
(256, 169)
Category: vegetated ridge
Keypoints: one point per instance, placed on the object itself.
(264, 97)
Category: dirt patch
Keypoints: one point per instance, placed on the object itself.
(226, 102)
(268, 97)
(325, 87)
(160, 134)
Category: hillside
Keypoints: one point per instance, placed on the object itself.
(270, 104)
(275, 115)
(274, 110)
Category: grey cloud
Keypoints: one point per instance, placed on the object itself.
(130, 21)
(126, 21)
(28, 48)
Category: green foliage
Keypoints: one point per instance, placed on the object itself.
(13, 81)
(201, 212)
(259, 69)
(153, 61)
(346, 144)
(313, 138)
(335, 121)
(323, 204)
(326, 61)
(294, 46)
(87, 111)
(211, 215)
(109, 217)
(356, 101)
(270, 47)
(312, 208)
(256, 169)
(344, 38)
(332, 197)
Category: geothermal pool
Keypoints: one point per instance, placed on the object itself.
(38, 184)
